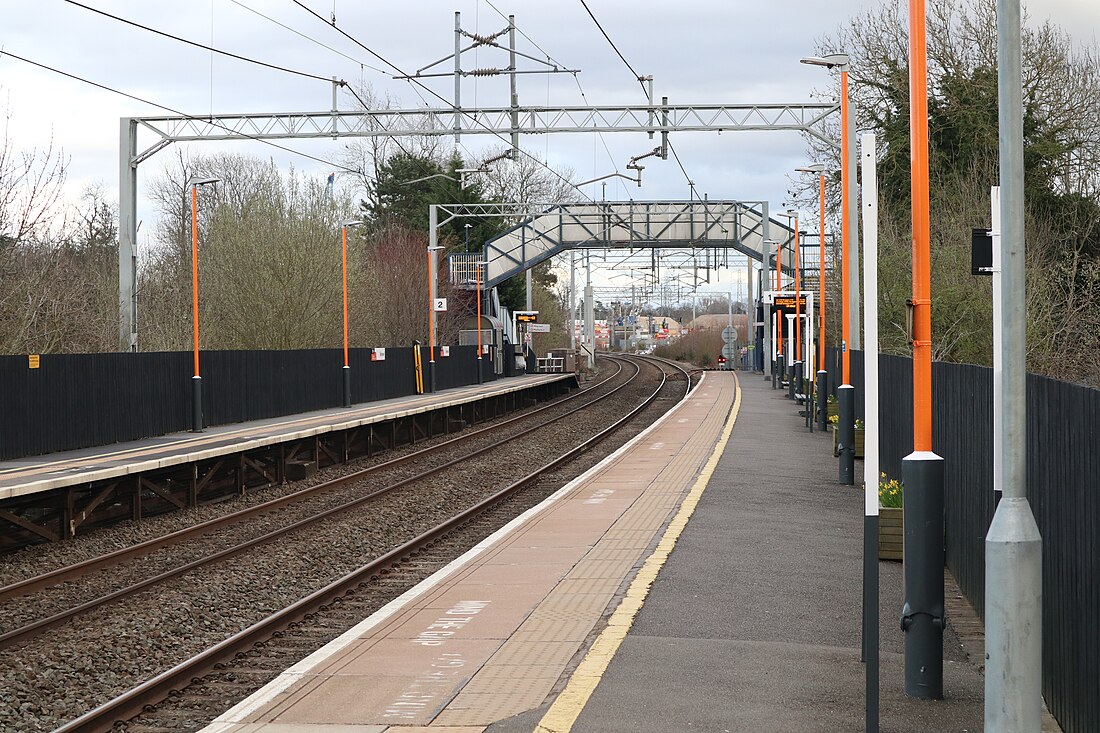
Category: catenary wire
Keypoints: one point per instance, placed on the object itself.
(637, 77)
(199, 45)
(307, 37)
(104, 87)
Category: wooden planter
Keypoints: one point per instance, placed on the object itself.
(831, 408)
(891, 531)
(860, 441)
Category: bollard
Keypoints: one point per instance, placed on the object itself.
(796, 383)
(196, 404)
(922, 616)
(777, 372)
(822, 390)
(846, 432)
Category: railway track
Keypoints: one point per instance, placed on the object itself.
(430, 461)
(237, 642)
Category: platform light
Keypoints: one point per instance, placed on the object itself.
(196, 380)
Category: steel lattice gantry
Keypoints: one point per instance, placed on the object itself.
(551, 229)
(499, 121)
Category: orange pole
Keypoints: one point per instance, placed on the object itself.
(821, 270)
(195, 271)
(778, 287)
(345, 258)
(846, 358)
(431, 310)
(922, 295)
(797, 302)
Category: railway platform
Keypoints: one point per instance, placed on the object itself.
(56, 495)
(704, 577)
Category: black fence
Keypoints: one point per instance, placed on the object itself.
(80, 400)
(1063, 435)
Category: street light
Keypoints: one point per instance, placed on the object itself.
(196, 381)
(798, 368)
(347, 367)
(822, 375)
(849, 270)
(467, 226)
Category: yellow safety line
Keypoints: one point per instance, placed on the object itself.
(565, 710)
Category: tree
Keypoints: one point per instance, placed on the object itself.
(1062, 152)
(269, 259)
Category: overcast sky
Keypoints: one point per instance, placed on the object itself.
(699, 51)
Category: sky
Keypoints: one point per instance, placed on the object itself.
(699, 51)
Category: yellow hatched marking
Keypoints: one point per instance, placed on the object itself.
(565, 710)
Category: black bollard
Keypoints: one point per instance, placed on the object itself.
(922, 616)
(196, 404)
(822, 390)
(846, 432)
(347, 385)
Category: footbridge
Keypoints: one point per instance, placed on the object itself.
(545, 230)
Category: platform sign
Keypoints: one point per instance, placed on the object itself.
(439, 305)
(787, 303)
(538, 327)
(33, 361)
(526, 316)
(444, 350)
(378, 354)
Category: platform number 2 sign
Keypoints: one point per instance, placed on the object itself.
(439, 305)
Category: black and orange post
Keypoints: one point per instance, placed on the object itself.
(344, 260)
(846, 407)
(196, 379)
(922, 471)
(797, 388)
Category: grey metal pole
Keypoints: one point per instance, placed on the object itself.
(512, 81)
(998, 334)
(433, 244)
(127, 234)
(589, 314)
(766, 284)
(750, 313)
(1013, 546)
(458, 80)
(572, 300)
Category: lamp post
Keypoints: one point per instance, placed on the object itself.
(780, 360)
(797, 355)
(849, 270)
(478, 264)
(821, 387)
(344, 260)
(467, 226)
(196, 381)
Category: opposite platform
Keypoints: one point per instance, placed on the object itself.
(491, 635)
(59, 470)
